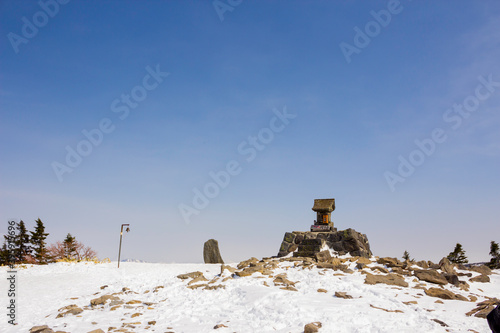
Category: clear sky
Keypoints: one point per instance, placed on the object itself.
(118, 112)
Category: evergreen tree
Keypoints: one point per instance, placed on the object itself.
(38, 241)
(22, 249)
(4, 254)
(458, 255)
(69, 246)
(406, 256)
(495, 255)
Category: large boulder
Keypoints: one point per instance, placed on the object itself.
(480, 278)
(482, 269)
(431, 276)
(211, 254)
(446, 266)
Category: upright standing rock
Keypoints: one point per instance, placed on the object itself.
(211, 254)
(494, 320)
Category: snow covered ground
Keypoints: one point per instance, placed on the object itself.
(247, 304)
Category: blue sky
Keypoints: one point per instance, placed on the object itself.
(353, 117)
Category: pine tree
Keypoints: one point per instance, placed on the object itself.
(38, 241)
(22, 249)
(458, 255)
(69, 246)
(495, 255)
(4, 254)
(406, 256)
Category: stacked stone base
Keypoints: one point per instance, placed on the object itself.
(308, 244)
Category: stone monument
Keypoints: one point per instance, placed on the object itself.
(324, 236)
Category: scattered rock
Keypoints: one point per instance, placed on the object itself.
(312, 327)
(323, 256)
(422, 264)
(72, 309)
(444, 294)
(342, 295)
(440, 322)
(484, 308)
(463, 285)
(363, 260)
(320, 290)
(219, 326)
(390, 279)
(137, 314)
(152, 322)
(41, 329)
(229, 268)
(360, 265)
(103, 287)
(480, 278)
(247, 263)
(431, 276)
(248, 271)
(452, 279)
(219, 286)
(191, 275)
(290, 288)
(197, 280)
(280, 280)
(380, 269)
(134, 301)
(376, 307)
(196, 286)
(103, 299)
(96, 331)
(211, 253)
(410, 302)
(389, 262)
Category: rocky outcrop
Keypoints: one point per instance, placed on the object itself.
(211, 253)
(308, 244)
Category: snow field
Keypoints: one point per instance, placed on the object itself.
(245, 305)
